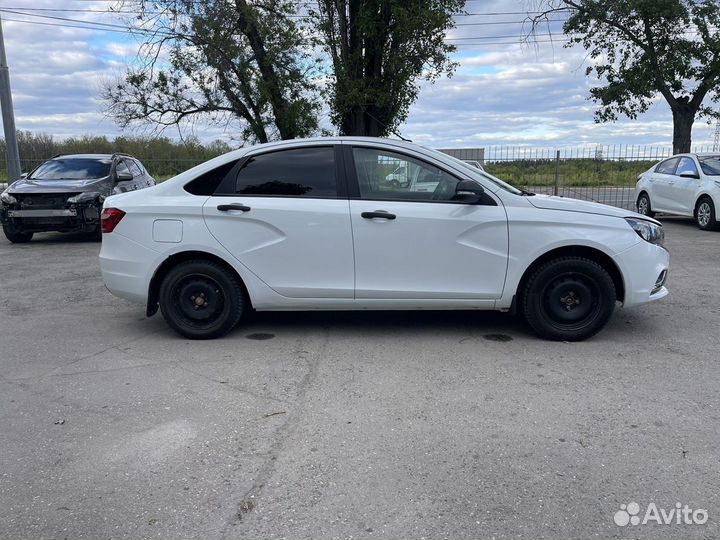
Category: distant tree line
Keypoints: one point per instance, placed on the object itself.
(163, 157)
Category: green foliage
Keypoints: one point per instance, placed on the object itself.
(380, 51)
(576, 172)
(227, 62)
(641, 48)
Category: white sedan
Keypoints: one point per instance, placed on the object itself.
(312, 225)
(685, 185)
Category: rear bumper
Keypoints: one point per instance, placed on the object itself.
(124, 264)
(644, 268)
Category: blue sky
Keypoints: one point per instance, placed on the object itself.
(503, 92)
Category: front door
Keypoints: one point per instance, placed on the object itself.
(412, 241)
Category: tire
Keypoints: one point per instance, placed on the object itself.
(188, 284)
(643, 205)
(568, 299)
(15, 236)
(705, 215)
(97, 233)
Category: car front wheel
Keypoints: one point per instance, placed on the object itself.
(15, 236)
(705, 215)
(643, 206)
(569, 299)
(201, 299)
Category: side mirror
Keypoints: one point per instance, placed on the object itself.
(468, 192)
(24, 175)
(692, 175)
(123, 177)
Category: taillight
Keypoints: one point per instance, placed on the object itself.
(109, 219)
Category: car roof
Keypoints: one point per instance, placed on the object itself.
(89, 156)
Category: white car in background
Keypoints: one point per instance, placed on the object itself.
(311, 225)
(684, 185)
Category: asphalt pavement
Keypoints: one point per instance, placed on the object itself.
(352, 425)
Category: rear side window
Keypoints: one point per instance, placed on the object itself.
(207, 183)
(300, 172)
(667, 167)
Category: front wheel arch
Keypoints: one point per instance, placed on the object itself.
(593, 254)
(153, 302)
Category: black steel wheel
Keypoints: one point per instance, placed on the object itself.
(201, 299)
(569, 299)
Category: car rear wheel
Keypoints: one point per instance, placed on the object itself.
(15, 236)
(705, 215)
(201, 299)
(569, 299)
(643, 205)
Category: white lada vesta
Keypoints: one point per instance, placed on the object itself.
(360, 223)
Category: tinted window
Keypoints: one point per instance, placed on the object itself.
(302, 172)
(686, 166)
(667, 166)
(710, 165)
(72, 169)
(207, 184)
(387, 175)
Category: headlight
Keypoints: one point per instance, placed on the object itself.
(7, 198)
(86, 197)
(648, 231)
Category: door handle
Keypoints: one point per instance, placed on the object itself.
(228, 207)
(378, 214)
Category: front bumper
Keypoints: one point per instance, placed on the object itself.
(645, 269)
(77, 217)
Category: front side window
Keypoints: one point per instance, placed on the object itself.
(122, 168)
(134, 167)
(300, 172)
(686, 166)
(667, 167)
(72, 169)
(387, 175)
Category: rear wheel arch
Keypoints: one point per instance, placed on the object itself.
(593, 254)
(153, 303)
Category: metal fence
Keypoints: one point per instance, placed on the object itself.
(600, 173)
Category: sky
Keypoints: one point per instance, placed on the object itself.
(503, 93)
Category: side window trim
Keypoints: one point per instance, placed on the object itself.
(226, 188)
(354, 185)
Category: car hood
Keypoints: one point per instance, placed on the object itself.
(552, 202)
(38, 185)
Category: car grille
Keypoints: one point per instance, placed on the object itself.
(40, 201)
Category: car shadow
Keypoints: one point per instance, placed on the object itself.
(63, 238)
(492, 324)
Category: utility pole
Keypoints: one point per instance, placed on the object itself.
(8, 115)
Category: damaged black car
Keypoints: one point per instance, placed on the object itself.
(66, 193)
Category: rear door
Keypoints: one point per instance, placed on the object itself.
(662, 185)
(414, 241)
(284, 215)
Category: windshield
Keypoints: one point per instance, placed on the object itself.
(72, 169)
(710, 165)
(477, 172)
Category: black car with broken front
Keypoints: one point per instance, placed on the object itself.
(66, 194)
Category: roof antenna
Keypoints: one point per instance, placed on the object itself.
(386, 127)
